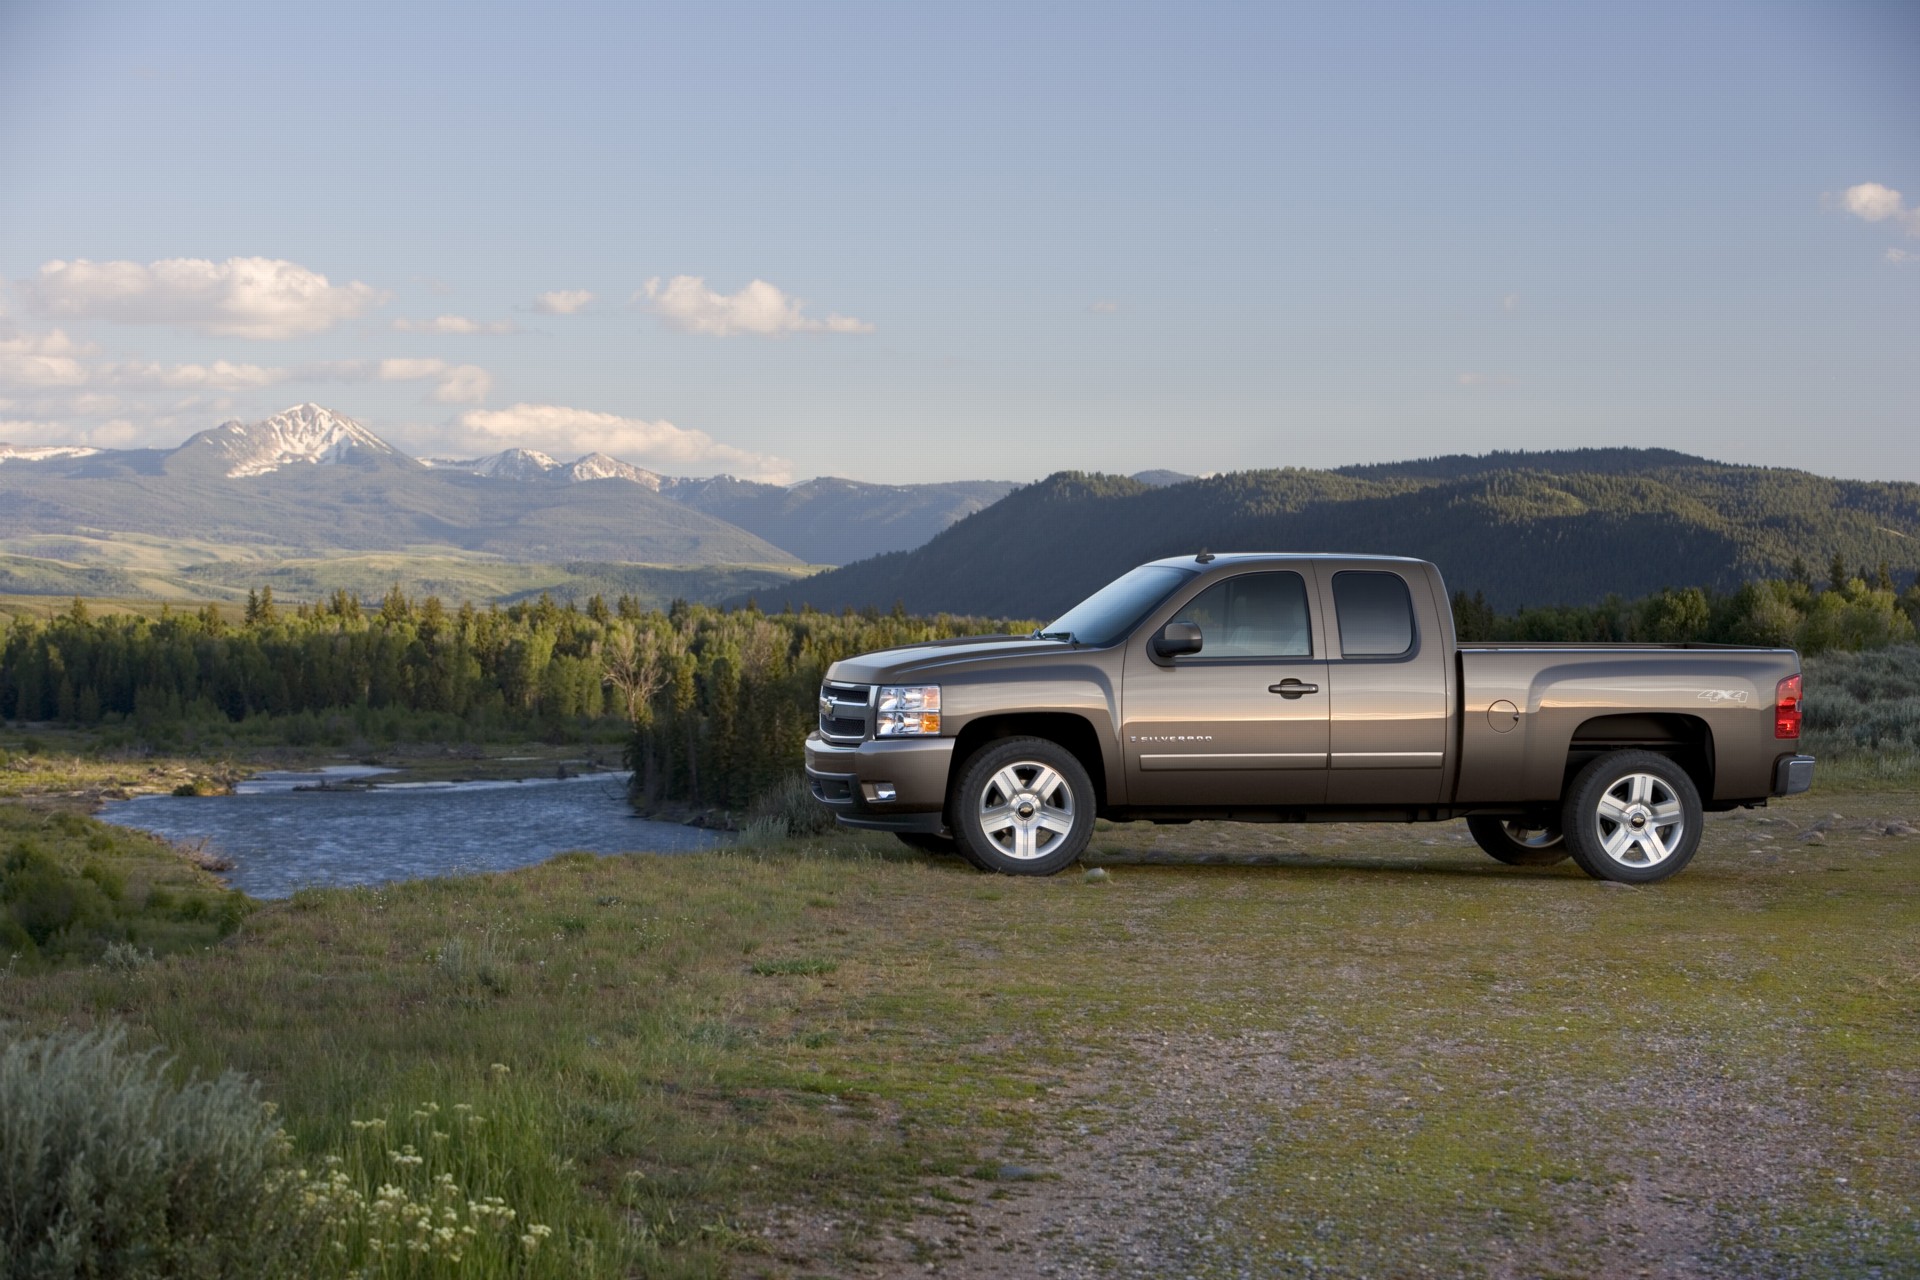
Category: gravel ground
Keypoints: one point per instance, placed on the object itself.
(1159, 1153)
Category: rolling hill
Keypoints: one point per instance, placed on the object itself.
(1527, 529)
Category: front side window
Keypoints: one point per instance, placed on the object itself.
(1256, 615)
(1376, 614)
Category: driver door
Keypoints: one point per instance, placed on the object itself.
(1245, 720)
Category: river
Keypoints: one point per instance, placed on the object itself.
(282, 835)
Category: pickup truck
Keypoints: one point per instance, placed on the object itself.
(1302, 688)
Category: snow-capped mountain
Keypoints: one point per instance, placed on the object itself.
(531, 464)
(44, 452)
(305, 434)
(508, 464)
(599, 466)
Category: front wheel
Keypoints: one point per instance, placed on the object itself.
(1023, 807)
(1532, 841)
(1632, 817)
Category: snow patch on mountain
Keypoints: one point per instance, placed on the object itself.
(306, 434)
(44, 452)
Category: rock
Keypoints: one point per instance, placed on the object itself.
(1814, 837)
(1096, 875)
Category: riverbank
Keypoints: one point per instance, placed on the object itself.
(48, 767)
(1341, 1050)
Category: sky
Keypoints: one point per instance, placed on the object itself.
(910, 243)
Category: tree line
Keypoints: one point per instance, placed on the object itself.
(1852, 610)
(714, 703)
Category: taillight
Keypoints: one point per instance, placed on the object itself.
(1786, 708)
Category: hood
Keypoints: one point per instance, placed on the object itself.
(937, 658)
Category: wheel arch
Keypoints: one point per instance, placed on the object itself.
(1073, 732)
(1686, 740)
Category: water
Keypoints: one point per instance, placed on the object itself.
(280, 839)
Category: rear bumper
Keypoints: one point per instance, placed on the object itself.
(887, 786)
(1792, 775)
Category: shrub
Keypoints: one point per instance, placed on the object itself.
(107, 1169)
(787, 810)
(1863, 703)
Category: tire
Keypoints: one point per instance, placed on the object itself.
(927, 842)
(1023, 807)
(1632, 817)
(1530, 841)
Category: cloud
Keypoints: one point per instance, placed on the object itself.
(459, 383)
(37, 360)
(51, 361)
(115, 434)
(1484, 380)
(1901, 257)
(259, 298)
(686, 303)
(1105, 308)
(221, 375)
(1510, 303)
(559, 430)
(456, 324)
(562, 302)
(1871, 202)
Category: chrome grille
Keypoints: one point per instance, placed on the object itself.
(846, 711)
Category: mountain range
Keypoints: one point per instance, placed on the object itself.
(1567, 527)
(310, 501)
(310, 482)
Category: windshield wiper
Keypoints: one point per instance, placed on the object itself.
(1055, 635)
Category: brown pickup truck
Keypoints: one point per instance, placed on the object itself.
(1302, 688)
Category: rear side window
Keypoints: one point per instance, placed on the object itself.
(1256, 615)
(1376, 614)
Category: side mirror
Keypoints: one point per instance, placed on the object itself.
(1175, 639)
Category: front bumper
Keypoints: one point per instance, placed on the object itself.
(855, 781)
(1792, 775)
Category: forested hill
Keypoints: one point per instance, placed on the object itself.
(1565, 528)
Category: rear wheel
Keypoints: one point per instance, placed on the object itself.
(1632, 817)
(1023, 807)
(1533, 840)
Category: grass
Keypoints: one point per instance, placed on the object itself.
(1316, 1050)
(74, 889)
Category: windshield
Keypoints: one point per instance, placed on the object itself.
(1115, 609)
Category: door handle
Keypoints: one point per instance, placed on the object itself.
(1291, 688)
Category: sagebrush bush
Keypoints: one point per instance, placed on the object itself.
(1863, 703)
(109, 1169)
(788, 810)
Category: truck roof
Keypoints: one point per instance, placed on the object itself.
(1242, 557)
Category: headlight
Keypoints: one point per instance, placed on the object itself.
(907, 709)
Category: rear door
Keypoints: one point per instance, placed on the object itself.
(1244, 721)
(1388, 732)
